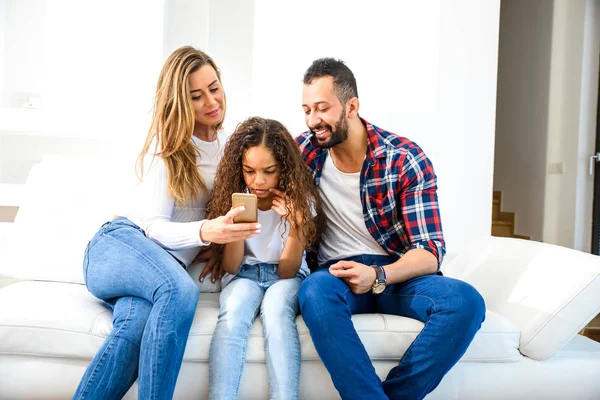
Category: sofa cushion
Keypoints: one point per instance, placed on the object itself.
(549, 292)
(64, 320)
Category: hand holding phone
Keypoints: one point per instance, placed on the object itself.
(250, 202)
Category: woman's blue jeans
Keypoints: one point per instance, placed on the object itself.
(452, 311)
(153, 301)
(257, 287)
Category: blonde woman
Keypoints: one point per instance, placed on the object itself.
(136, 263)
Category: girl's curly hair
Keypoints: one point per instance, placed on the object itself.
(294, 179)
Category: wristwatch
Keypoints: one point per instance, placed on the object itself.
(380, 280)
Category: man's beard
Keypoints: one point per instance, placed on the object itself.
(336, 137)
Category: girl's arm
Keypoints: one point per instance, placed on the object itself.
(233, 253)
(291, 256)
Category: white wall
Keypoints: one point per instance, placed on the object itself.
(587, 126)
(522, 111)
(23, 50)
(103, 62)
(2, 40)
(95, 65)
(424, 70)
(547, 96)
(563, 122)
(428, 71)
(185, 23)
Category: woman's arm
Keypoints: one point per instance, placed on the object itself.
(155, 209)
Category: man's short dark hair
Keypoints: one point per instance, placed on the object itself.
(344, 82)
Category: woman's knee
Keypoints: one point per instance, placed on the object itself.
(188, 295)
(130, 315)
(181, 294)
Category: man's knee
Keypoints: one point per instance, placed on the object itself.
(470, 306)
(317, 292)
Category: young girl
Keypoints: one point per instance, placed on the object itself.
(265, 271)
(135, 263)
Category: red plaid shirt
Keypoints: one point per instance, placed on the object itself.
(400, 204)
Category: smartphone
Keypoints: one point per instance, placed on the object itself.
(249, 201)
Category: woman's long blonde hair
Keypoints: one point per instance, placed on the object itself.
(173, 121)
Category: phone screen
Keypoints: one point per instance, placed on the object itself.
(249, 201)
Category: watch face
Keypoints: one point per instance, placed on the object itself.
(378, 288)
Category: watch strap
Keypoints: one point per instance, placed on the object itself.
(381, 278)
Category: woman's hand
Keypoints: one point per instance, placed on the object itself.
(282, 207)
(224, 230)
(213, 264)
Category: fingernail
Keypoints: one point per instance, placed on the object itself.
(257, 231)
(201, 279)
(242, 208)
(258, 226)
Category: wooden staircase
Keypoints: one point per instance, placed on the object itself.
(592, 330)
(503, 223)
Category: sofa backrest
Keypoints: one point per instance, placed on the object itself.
(66, 200)
(549, 292)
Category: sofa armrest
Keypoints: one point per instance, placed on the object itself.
(549, 292)
(5, 281)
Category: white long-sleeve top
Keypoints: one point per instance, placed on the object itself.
(175, 228)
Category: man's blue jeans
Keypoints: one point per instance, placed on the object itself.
(153, 301)
(452, 311)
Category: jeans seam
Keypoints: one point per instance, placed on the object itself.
(108, 348)
(153, 378)
(424, 326)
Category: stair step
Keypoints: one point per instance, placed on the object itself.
(502, 230)
(524, 237)
(502, 223)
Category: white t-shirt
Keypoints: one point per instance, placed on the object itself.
(267, 246)
(346, 233)
(175, 228)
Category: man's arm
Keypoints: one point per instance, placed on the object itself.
(423, 227)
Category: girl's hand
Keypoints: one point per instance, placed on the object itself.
(213, 264)
(282, 207)
(223, 230)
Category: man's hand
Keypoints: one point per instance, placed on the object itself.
(359, 277)
(213, 265)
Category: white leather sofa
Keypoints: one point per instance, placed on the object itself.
(538, 297)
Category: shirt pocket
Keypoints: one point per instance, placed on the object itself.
(386, 210)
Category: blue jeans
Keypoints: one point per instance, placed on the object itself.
(452, 311)
(153, 301)
(257, 286)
